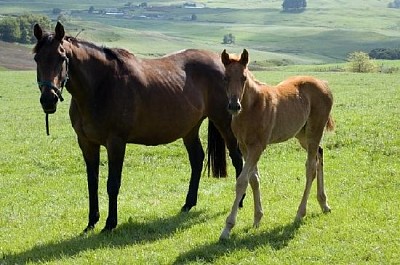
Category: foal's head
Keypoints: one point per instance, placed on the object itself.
(235, 77)
(52, 66)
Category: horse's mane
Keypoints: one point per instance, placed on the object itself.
(253, 78)
(117, 54)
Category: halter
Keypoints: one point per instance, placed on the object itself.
(57, 90)
(62, 84)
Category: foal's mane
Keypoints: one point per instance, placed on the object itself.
(253, 78)
(236, 58)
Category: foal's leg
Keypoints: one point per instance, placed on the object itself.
(91, 155)
(321, 195)
(250, 166)
(255, 186)
(237, 159)
(224, 127)
(311, 171)
(115, 152)
(196, 158)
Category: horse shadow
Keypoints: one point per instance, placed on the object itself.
(278, 238)
(128, 233)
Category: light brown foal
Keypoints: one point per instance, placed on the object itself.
(297, 107)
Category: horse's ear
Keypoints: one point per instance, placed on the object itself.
(37, 31)
(244, 58)
(225, 58)
(60, 33)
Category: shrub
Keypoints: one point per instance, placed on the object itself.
(360, 62)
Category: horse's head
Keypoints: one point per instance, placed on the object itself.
(235, 78)
(52, 66)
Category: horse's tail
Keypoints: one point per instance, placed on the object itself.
(330, 124)
(216, 152)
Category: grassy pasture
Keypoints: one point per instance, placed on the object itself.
(43, 197)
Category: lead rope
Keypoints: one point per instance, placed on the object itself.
(47, 125)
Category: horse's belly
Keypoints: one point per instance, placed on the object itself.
(163, 131)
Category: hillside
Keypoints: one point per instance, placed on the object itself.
(325, 33)
(15, 57)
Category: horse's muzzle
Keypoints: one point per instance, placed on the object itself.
(234, 107)
(49, 100)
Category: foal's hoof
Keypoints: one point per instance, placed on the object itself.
(326, 209)
(224, 235)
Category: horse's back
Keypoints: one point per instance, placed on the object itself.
(171, 95)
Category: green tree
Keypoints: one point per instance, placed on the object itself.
(360, 62)
(228, 39)
(19, 29)
(10, 30)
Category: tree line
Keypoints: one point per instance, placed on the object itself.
(19, 28)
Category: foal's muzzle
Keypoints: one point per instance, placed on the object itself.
(234, 106)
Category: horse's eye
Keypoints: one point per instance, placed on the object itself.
(244, 78)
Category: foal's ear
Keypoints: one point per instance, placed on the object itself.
(244, 58)
(225, 58)
(60, 33)
(37, 31)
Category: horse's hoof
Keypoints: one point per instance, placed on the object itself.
(106, 230)
(185, 208)
(87, 229)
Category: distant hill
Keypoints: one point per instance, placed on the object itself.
(16, 57)
(324, 33)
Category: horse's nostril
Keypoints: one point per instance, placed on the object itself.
(234, 106)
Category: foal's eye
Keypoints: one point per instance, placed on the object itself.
(244, 78)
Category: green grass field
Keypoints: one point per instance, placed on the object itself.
(43, 196)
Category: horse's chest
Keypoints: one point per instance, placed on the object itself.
(88, 129)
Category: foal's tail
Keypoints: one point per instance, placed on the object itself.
(330, 124)
(216, 152)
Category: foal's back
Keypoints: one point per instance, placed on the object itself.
(293, 103)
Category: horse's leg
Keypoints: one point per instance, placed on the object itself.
(196, 158)
(91, 155)
(252, 155)
(321, 195)
(255, 186)
(115, 153)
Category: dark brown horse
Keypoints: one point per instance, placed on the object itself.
(298, 107)
(118, 98)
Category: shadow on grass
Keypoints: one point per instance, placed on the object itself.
(278, 238)
(126, 234)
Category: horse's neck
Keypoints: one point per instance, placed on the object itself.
(252, 89)
(86, 70)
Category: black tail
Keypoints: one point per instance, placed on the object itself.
(216, 152)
